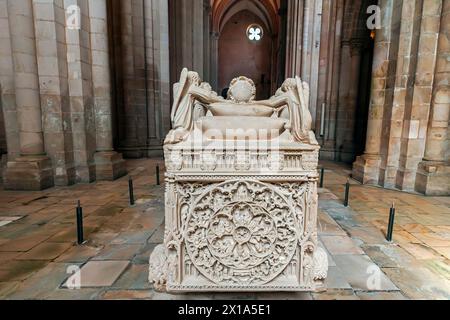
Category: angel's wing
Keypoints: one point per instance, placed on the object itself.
(303, 92)
(178, 92)
(300, 92)
(306, 92)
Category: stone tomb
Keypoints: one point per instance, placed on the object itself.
(241, 192)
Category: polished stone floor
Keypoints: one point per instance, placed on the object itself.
(38, 234)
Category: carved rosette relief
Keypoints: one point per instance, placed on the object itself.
(241, 232)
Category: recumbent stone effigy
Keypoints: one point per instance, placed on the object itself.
(241, 192)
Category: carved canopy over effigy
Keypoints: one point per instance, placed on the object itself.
(241, 191)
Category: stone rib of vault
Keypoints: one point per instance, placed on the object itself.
(241, 192)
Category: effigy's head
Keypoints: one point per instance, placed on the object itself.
(288, 84)
(242, 89)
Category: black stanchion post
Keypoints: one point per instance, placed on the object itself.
(157, 176)
(390, 228)
(79, 223)
(322, 171)
(130, 190)
(347, 190)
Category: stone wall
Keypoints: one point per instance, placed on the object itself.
(139, 34)
(55, 93)
(407, 135)
(326, 42)
(239, 56)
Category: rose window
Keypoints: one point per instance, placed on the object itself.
(255, 32)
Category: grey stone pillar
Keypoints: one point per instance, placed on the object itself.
(348, 95)
(366, 167)
(129, 143)
(33, 169)
(54, 85)
(7, 94)
(433, 175)
(109, 164)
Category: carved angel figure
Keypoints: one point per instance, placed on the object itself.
(182, 114)
(294, 94)
(193, 98)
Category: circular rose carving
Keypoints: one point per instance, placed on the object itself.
(241, 233)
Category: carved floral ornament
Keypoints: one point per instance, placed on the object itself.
(241, 232)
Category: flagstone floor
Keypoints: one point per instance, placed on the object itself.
(38, 234)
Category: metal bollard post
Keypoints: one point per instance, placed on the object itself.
(390, 228)
(158, 182)
(322, 171)
(130, 190)
(347, 190)
(79, 211)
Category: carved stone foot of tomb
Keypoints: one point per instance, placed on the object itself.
(157, 274)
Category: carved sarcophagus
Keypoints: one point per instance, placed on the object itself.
(240, 203)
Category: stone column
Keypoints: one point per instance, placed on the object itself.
(49, 21)
(311, 56)
(207, 14)
(304, 24)
(165, 88)
(151, 50)
(419, 94)
(8, 116)
(33, 169)
(214, 61)
(81, 93)
(348, 91)
(366, 167)
(433, 175)
(129, 141)
(406, 43)
(189, 29)
(140, 104)
(328, 148)
(324, 62)
(157, 73)
(152, 35)
(7, 94)
(109, 164)
(294, 38)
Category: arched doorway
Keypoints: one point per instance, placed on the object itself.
(237, 52)
(247, 53)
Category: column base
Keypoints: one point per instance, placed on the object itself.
(29, 173)
(433, 178)
(406, 179)
(366, 169)
(328, 150)
(109, 165)
(65, 176)
(388, 177)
